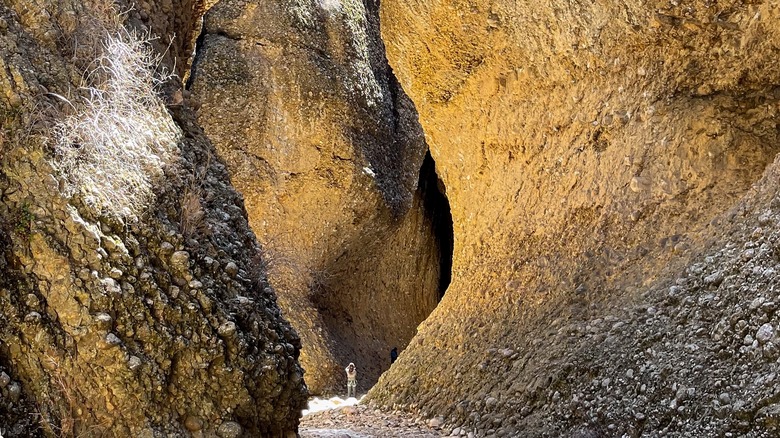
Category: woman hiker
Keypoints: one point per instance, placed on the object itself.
(351, 380)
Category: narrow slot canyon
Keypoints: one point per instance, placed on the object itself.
(365, 318)
(339, 185)
(564, 215)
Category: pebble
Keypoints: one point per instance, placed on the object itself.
(32, 317)
(231, 269)
(115, 273)
(756, 303)
(5, 379)
(103, 320)
(765, 333)
(227, 329)
(32, 301)
(180, 261)
(714, 279)
(166, 248)
(229, 429)
(193, 423)
(112, 340)
(435, 423)
(111, 286)
(771, 351)
(14, 391)
(133, 362)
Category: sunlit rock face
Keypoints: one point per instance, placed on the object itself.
(326, 149)
(133, 298)
(590, 152)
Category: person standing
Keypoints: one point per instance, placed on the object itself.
(393, 355)
(351, 380)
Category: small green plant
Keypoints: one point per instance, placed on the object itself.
(24, 221)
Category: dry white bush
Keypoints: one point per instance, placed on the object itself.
(114, 142)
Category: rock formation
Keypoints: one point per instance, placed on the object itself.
(610, 169)
(133, 300)
(326, 150)
(609, 276)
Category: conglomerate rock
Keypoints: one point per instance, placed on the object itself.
(154, 322)
(596, 156)
(326, 149)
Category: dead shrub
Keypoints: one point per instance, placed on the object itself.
(59, 415)
(192, 220)
(112, 140)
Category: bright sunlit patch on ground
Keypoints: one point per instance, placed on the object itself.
(318, 404)
(332, 433)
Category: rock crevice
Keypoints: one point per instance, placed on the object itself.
(437, 210)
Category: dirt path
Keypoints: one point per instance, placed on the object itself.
(362, 422)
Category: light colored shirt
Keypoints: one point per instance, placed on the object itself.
(352, 375)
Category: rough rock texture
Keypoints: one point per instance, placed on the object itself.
(126, 324)
(298, 98)
(174, 24)
(593, 154)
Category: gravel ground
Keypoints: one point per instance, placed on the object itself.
(362, 422)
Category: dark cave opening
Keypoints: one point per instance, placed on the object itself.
(437, 209)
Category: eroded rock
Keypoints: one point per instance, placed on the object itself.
(326, 149)
(591, 156)
(96, 334)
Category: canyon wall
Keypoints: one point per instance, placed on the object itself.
(326, 149)
(610, 171)
(596, 157)
(133, 297)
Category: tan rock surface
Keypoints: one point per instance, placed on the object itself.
(326, 150)
(589, 150)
